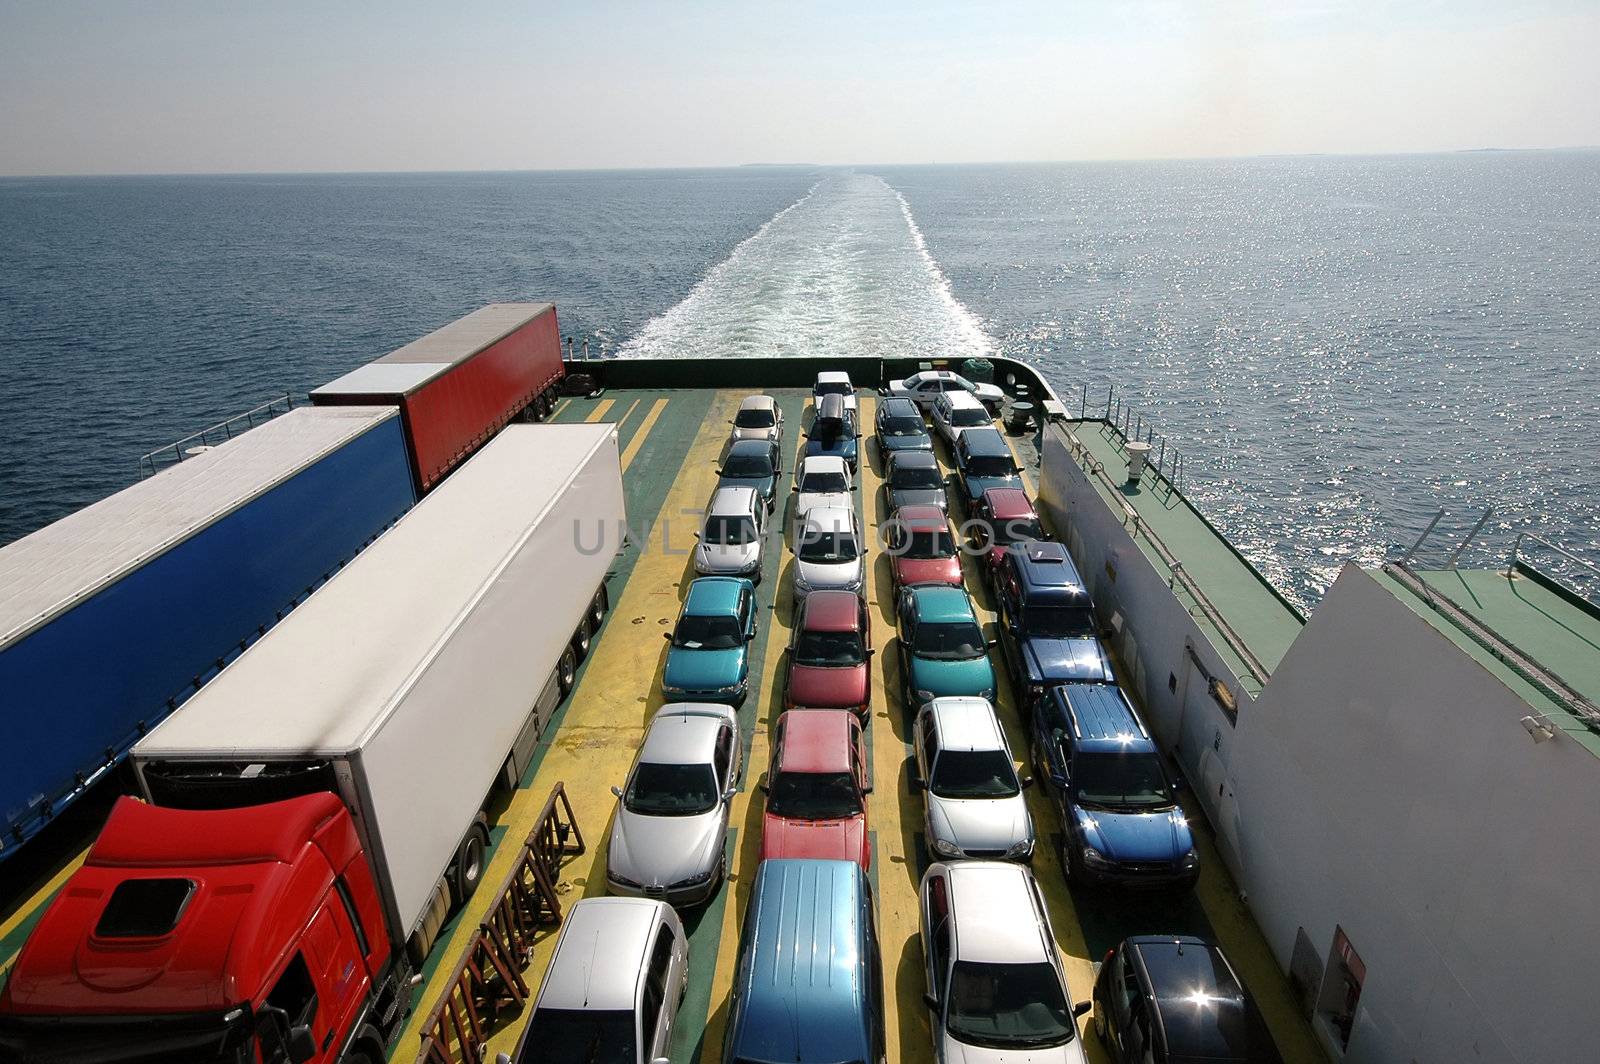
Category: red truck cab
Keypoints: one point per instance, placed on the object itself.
(244, 936)
(816, 792)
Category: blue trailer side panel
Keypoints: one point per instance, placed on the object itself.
(79, 691)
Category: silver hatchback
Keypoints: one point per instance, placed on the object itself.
(975, 805)
(758, 419)
(733, 538)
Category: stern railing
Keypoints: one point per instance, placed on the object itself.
(212, 435)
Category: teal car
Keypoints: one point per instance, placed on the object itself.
(942, 649)
(752, 464)
(709, 660)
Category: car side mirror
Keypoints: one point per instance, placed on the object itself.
(931, 1000)
(302, 1047)
(867, 789)
(1179, 783)
(502, 1058)
(1082, 1008)
(667, 636)
(915, 781)
(1025, 782)
(991, 643)
(616, 791)
(871, 651)
(727, 795)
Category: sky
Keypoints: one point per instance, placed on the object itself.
(286, 85)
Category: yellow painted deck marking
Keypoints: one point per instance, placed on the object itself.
(645, 426)
(604, 724)
(555, 411)
(599, 410)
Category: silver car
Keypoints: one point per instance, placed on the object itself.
(667, 839)
(975, 806)
(823, 480)
(828, 552)
(758, 419)
(733, 538)
(996, 989)
(923, 388)
(613, 986)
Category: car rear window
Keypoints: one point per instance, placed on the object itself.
(754, 419)
(598, 1036)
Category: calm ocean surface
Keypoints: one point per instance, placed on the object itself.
(1341, 346)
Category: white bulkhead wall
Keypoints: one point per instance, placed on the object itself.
(1390, 790)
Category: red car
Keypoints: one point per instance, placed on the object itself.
(1003, 517)
(830, 654)
(923, 548)
(817, 789)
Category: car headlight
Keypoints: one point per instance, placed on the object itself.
(924, 696)
(946, 849)
(1190, 860)
(730, 689)
(1021, 849)
(694, 880)
(620, 880)
(987, 694)
(1093, 858)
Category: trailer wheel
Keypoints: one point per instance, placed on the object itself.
(470, 862)
(598, 606)
(583, 638)
(567, 670)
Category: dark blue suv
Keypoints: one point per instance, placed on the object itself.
(1121, 822)
(1047, 621)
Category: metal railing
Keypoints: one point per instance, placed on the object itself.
(1515, 558)
(1130, 425)
(212, 435)
(488, 978)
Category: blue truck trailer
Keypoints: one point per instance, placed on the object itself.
(111, 617)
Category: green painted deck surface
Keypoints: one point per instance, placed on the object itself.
(1263, 619)
(1557, 630)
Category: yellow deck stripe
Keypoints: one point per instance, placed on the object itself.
(599, 410)
(645, 426)
(605, 722)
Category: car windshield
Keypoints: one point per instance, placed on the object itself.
(753, 464)
(1020, 530)
(833, 388)
(827, 547)
(968, 417)
(730, 531)
(824, 483)
(1060, 622)
(903, 426)
(755, 419)
(974, 774)
(1131, 781)
(915, 476)
(671, 790)
(949, 640)
(813, 795)
(930, 544)
(829, 649)
(827, 428)
(990, 465)
(1008, 1005)
(579, 1036)
(707, 633)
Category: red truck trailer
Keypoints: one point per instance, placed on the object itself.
(457, 386)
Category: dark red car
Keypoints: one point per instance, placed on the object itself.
(1003, 517)
(922, 547)
(830, 654)
(817, 789)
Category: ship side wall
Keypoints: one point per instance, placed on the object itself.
(1390, 791)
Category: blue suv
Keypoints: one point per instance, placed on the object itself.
(1121, 821)
(1047, 621)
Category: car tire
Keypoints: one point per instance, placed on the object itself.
(567, 671)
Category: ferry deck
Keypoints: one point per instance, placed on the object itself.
(670, 441)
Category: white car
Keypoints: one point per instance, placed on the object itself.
(923, 388)
(613, 986)
(834, 383)
(957, 412)
(667, 840)
(828, 552)
(823, 481)
(975, 805)
(996, 989)
(733, 538)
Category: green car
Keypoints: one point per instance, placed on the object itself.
(709, 660)
(942, 649)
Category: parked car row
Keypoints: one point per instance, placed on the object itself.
(809, 982)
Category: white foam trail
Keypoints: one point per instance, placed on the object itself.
(842, 270)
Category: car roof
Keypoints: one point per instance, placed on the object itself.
(913, 458)
(805, 993)
(831, 406)
(816, 740)
(732, 501)
(833, 376)
(963, 399)
(831, 611)
(984, 440)
(1102, 718)
(1046, 564)
(899, 406)
(966, 724)
(822, 463)
(830, 519)
(757, 402)
(680, 739)
(922, 518)
(1203, 1010)
(713, 596)
(994, 913)
(602, 951)
(761, 447)
(1008, 504)
(938, 603)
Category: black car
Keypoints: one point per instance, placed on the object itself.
(912, 478)
(1163, 999)
(752, 464)
(984, 460)
(900, 427)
